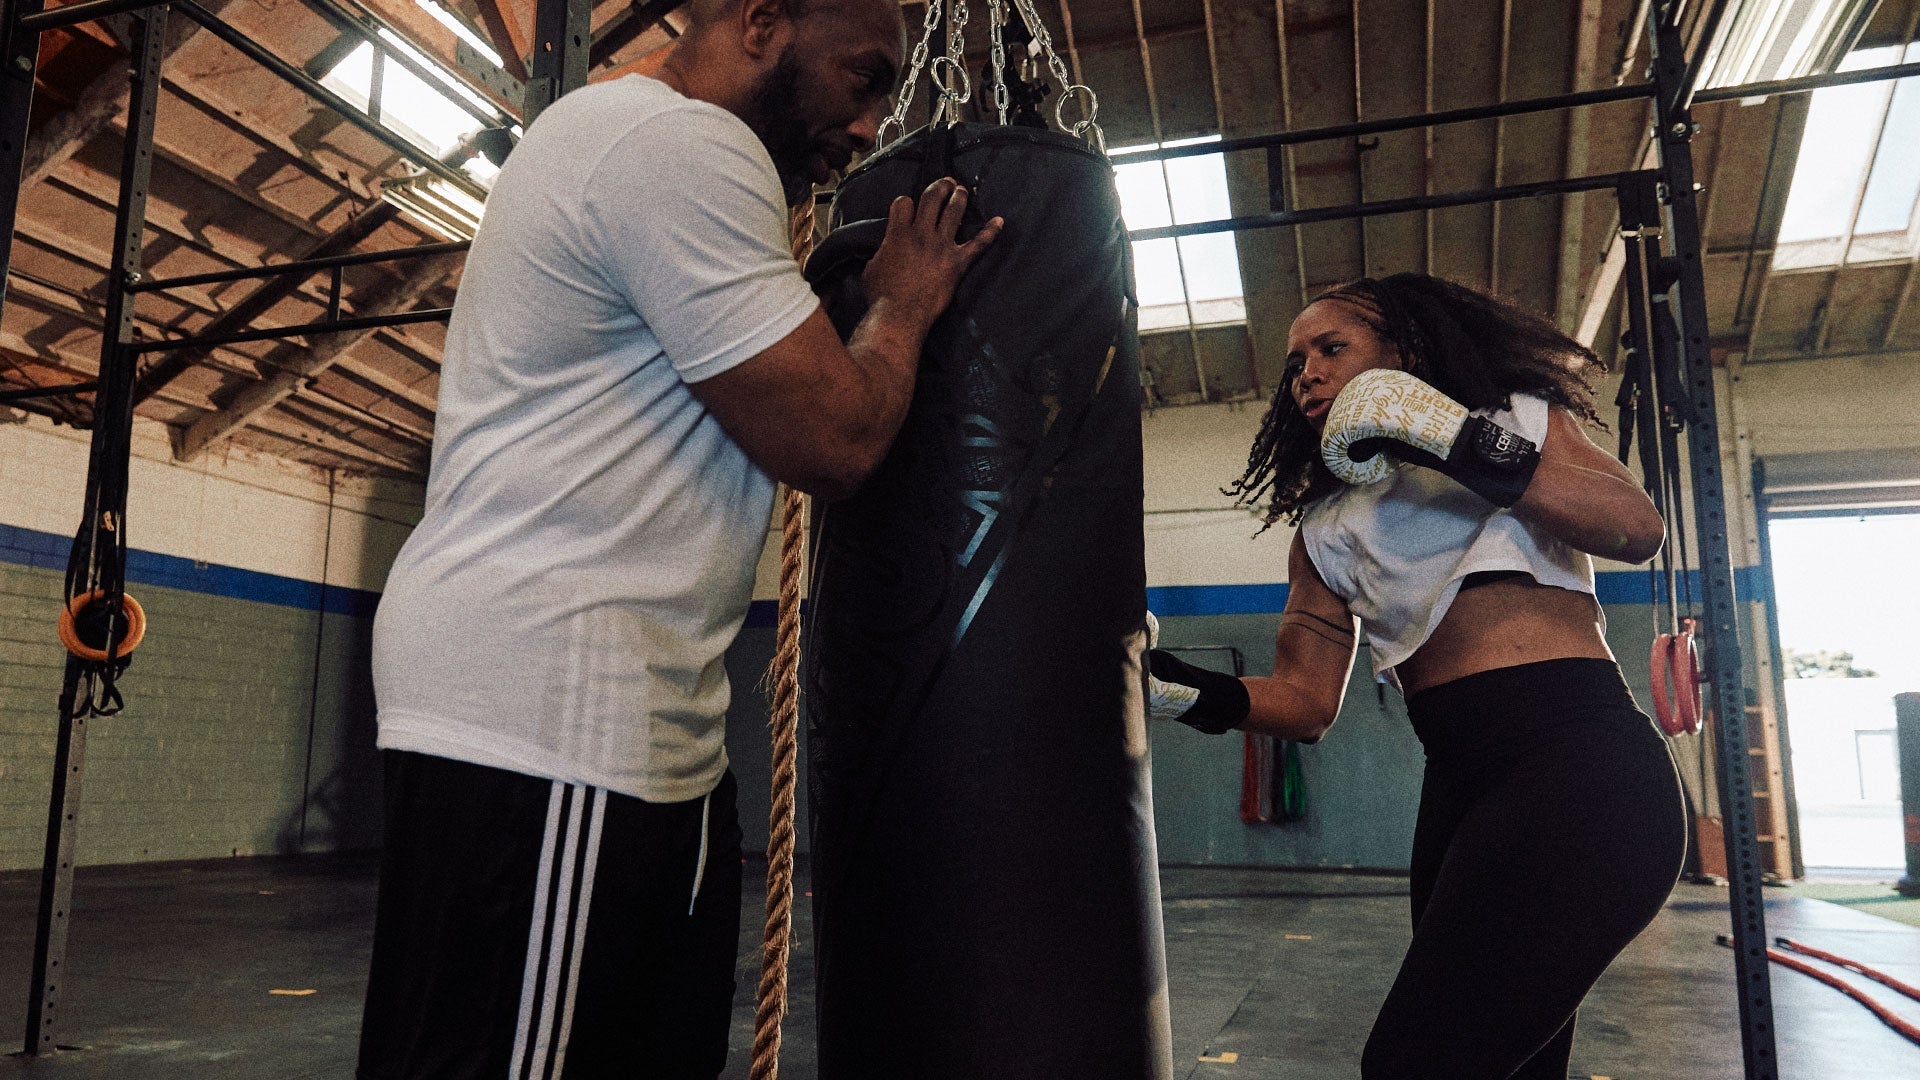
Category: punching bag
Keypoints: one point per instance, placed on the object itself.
(986, 902)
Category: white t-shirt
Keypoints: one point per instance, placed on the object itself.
(590, 537)
(1397, 550)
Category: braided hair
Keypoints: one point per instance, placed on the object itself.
(1477, 349)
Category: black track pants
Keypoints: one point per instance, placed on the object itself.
(530, 929)
(1550, 832)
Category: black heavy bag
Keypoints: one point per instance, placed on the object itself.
(985, 897)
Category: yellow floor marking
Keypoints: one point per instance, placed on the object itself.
(1227, 1057)
(287, 993)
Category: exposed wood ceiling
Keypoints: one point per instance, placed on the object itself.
(249, 171)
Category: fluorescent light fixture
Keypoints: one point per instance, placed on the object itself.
(435, 204)
(1763, 40)
(465, 33)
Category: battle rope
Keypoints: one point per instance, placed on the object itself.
(1887, 1016)
(770, 1006)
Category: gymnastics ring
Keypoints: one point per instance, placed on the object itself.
(70, 632)
(1674, 669)
(1686, 677)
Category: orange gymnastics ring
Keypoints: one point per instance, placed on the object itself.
(70, 634)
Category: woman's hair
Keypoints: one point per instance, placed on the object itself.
(1472, 347)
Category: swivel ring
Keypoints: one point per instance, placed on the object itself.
(966, 81)
(1089, 108)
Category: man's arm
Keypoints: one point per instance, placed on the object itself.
(818, 414)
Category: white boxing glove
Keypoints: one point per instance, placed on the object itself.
(1386, 413)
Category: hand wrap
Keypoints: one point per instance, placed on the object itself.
(1204, 700)
(1384, 412)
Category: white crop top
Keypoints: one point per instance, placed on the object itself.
(1396, 551)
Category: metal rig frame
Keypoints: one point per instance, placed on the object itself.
(559, 65)
(1664, 279)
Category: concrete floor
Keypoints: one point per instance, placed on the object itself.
(173, 968)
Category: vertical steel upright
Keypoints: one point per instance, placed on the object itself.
(104, 529)
(1673, 130)
(562, 33)
(20, 54)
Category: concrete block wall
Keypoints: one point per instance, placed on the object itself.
(231, 745)
(249, 718)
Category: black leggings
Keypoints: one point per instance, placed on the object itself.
(1550, 832)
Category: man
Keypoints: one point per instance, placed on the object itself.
(633, 361)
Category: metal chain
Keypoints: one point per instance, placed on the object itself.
(914, 68)
(950, 98)
(1088, 125)
(997, 15)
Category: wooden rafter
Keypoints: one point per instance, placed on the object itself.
(508, 34)
(304, 364)
(100, 105)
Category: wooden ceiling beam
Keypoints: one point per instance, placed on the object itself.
(79, 368)
(1571, 271)
(264, 296)
(59, 242)
(388, 385)
(1901, 306)
(510, 39)
(100, 105)
(1390, 45)
(1544, 53)
(354, 414)
(86, 310)
(293, 430)
(341, 174)
(256, 399)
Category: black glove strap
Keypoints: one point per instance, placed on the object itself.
(1223, 704)
(1492, 462)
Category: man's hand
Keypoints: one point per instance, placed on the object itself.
(919, 265)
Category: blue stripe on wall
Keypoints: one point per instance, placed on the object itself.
(28, 547)
(1611, 587)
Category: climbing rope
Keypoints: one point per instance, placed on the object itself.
(770, 1006)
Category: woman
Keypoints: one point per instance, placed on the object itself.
(1550, 828)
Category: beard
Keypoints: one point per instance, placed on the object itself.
(774, 115)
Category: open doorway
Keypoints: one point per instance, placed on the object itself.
(1847, 590)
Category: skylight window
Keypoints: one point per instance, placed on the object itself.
(425, 113)
(1189, 280)
(1858, 178)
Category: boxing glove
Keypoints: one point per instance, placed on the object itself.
(1385, 413)
(1204, 700)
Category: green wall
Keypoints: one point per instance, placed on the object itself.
(223, 749)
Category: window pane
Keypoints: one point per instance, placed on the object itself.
(1143, 195)
(1895, 181)
(1212, 264)
(416, 110)
(1841, 124)
(1156, 274)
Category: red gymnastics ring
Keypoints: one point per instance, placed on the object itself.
(1685, 664)
(1659, 671)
